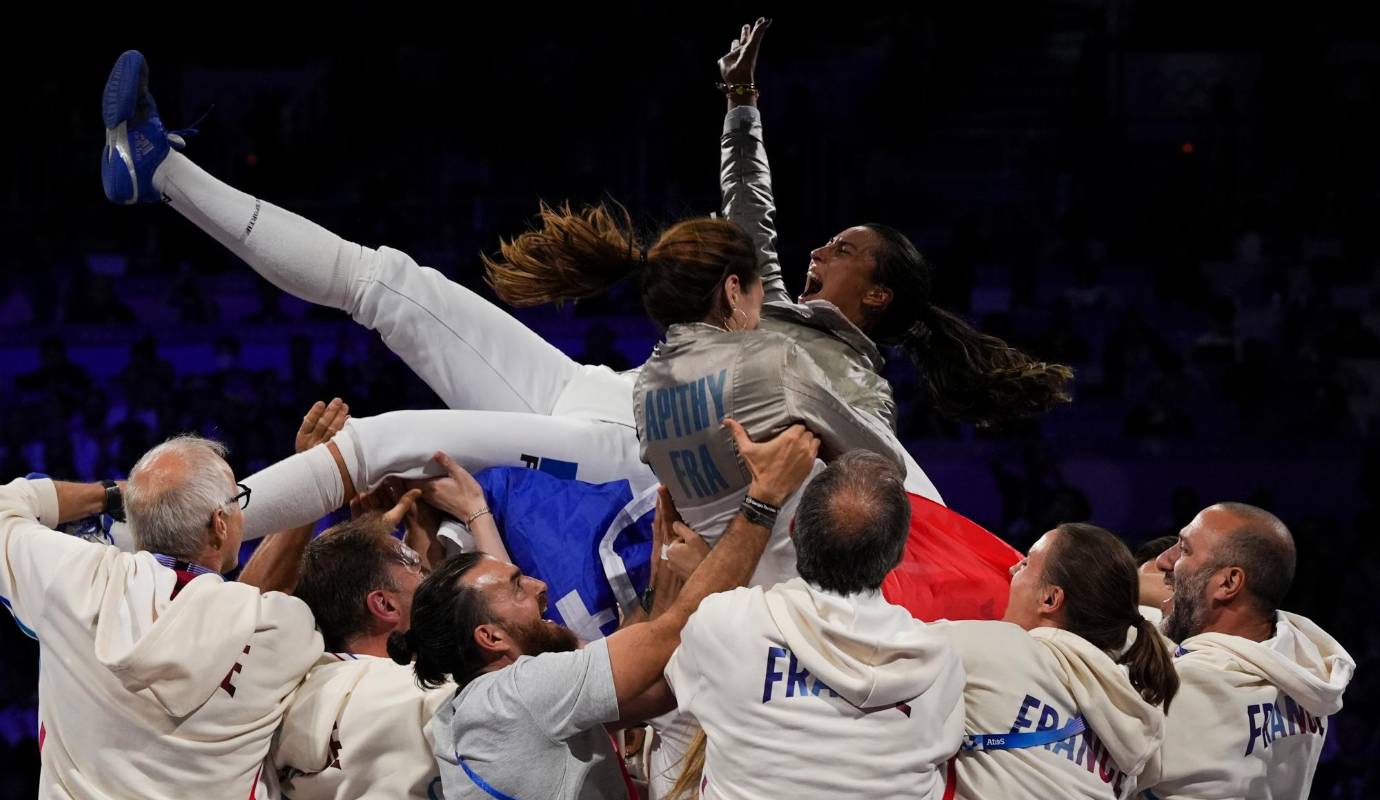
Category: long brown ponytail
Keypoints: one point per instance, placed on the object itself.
(1101, 587)
(1151, 665)
(577, 254)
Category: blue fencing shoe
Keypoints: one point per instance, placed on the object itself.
(135, 140)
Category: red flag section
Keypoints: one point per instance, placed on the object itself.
(952, 568)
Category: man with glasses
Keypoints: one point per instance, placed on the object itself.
(356, 722)
(158, 679)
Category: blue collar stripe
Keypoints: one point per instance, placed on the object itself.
(182, 566)
(1021, 741)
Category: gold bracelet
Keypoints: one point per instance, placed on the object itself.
(738, 89)
(476, 515)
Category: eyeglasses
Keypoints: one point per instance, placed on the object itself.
(242, 497)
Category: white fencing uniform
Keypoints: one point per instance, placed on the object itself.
(1021, 682)
(805, 693)
(356, 729)
(766, 381)
(519, 400)
(143, 694)
(302, 488)
(523, 400)
(1251, 717)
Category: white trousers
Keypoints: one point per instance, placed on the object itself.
(516, 399)
(521, 401)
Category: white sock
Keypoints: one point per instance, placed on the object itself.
(291, 252)
(299, 489)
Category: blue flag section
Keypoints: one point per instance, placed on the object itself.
(590, 543)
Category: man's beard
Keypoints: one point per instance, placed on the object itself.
(1186, 618)
(541, 636)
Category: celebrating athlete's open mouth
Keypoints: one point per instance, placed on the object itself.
(813, 286)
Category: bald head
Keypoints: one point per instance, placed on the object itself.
(162, 469)
(852, 523)
(172, 493)
(1259, 543)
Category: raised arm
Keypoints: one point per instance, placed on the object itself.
(32, 555)
(77, 500)
(460, 495)
(744, 174)
(276, 563)
(638, 653)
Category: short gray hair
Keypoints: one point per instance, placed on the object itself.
(169, 505)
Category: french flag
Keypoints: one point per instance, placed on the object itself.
(952, 568)
(591, 544)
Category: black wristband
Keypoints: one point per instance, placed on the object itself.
(114, 501)
(758, 512)
(761, 505)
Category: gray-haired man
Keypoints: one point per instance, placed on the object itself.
(158, 678)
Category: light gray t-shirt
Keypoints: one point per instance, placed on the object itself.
(534, 729)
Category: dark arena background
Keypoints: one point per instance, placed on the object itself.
(1181, 200)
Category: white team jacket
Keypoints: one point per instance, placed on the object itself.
(1021, 681)
(1250, 717)
(142, 695)
(355, 729)
(804, 693)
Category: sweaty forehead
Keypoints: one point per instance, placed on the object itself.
(863, 238)
(490, 573)
(1044, 544)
